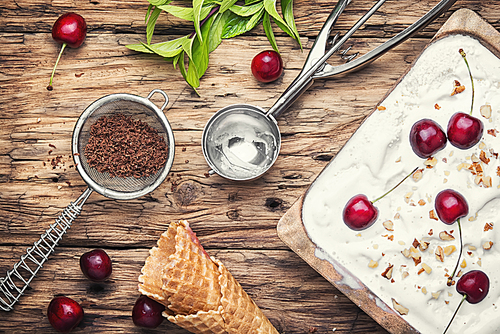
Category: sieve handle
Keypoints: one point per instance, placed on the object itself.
(162, 93)
(17, 280)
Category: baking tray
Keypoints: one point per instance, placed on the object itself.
(291, 229)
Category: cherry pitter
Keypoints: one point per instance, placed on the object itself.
(241, 142)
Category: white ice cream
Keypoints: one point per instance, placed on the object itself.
(379, 155)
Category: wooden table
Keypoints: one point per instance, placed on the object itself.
(236, 222)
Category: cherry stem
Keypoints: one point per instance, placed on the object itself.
(464, 56)
(450, 279)
(397, 185)
(454, 314)
(49, 87)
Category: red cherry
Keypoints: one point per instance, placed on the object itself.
(427, 138)
(359, 213)
(464, 130)
(64, 314)
(96, 265)
(267, 66)
(70, 29)
(450, 206)
(147, 312)
(474, 285)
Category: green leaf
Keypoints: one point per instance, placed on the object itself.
(270, 6)
(168, 49)
(158, 2)
(175, 60)
(255, 19)
(139, 47)
(287, 10)
(225, 5)
(251, 2)
(150, 28)
(236, 25)
(197, 6)
(147, 13)
(268, 29)
(246, 10)
(216, 31)
(200, 50)
(186, 13)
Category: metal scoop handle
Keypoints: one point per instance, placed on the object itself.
(17, 280)
(320, 69)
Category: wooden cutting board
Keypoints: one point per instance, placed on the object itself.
(291, 229)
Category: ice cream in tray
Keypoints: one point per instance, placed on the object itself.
(399, 267)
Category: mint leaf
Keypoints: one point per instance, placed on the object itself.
(287, 10)
(216, 31)
(226, 4)
(150, 28)
(158, 2)
(268, 29)
(270, 6)
(246, 10)
(197, 6)
(236, 25)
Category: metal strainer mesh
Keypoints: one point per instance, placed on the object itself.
(139, 109)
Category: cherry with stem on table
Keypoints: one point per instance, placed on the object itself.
(450, 207)
(464, 130)
(70, 29)
(474, 286)
(360, 213)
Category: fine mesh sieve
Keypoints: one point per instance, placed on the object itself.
(138, 108)
(17, 280)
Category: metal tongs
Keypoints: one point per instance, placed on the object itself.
(233, 139)
(316, 66)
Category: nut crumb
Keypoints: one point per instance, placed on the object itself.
(483, 157)
(487, 245)
(388, 272)
(417, 176)
(400, 308)
(381, 108)
(463, 264)
(437, 106)
(448, 250)
(457, 88)
(430, 162)
(485, 111)
(423, 246)
(436, 294)
(445, 236)
(426, 267)
(488, 226)
(373, 264)
(389, 225)
(431, 232)
(439, 253)
(492, 132)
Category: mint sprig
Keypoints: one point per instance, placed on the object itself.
(213, 21)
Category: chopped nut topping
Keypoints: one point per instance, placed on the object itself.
(445, 236)
(373, 264)
(439, 253)
(408, 196)
(488, 226)
(431, 232)
(463, 264)
(426, 268)
(423, 246)
(492, 132)
(406, 252)
(391, 238)
(436, 294)
(381, 108)
(400, 308)
(415, 243)
(457, 88)
(404, 274)
(463, 165)
(421, 270)
(485, 111)
(448, 250)
(487, 245)
(432, 215)
(421, 202)
(388, 272)
(437, 107)
(389, 225)
(424, 290)
(417, 176)
(397, 215)
(483, 157)
(430, 162)
(472, 248)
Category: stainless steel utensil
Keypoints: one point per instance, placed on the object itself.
(241, 142)
(14, 284)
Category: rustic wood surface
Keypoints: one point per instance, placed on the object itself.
(235, 222)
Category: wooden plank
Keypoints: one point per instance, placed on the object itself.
(128, 16)
(274, 279)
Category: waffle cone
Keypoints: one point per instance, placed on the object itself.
(199, 293)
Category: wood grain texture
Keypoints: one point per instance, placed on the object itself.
(235, 222)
